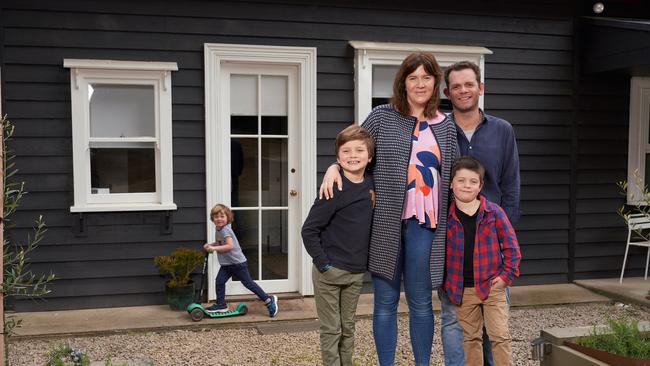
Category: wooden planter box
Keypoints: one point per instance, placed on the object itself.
(563, 352)
(607, 357)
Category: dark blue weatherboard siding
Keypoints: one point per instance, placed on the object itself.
(529, 82)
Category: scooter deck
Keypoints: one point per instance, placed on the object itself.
(216, 314)
(198, 312)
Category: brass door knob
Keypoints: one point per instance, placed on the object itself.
(293, 193)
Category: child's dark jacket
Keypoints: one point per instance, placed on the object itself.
(496, 251)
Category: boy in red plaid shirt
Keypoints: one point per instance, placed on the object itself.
(482, 259)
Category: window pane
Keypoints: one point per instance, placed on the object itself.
(274, 125)
(379, 101)
(122, 170)
(243, 125)
(243, 95)
(274, 95)
(243, 164)
(382, 80)
(274, 172)
(246, 228)
(275, 261)
(121, 110)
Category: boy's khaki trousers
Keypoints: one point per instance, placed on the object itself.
(336, 293)
(471, 314)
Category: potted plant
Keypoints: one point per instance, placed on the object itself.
(178, 266)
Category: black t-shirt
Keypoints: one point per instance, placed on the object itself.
(469, 231)
(337, 231)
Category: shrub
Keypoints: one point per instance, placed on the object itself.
(179, 265)
(621, 337)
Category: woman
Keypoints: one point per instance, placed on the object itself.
(415, 148)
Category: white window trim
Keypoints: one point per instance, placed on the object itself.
(638, 139)
(156, 74)
(368, 54)
(217, 123)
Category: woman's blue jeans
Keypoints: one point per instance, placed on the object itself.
(413, 265)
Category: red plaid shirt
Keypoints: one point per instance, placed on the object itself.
(496, 251)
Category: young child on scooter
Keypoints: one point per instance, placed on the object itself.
(232, 262)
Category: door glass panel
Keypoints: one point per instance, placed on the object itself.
(274, 172)
(246, 228)
(121, 110)
(243, 125)
(274, 95)
(243, 164)
(128, 170)
(274, 245)
(259, 171)
(243, 95)
(274, 125)
(243, 104)
(274, 105)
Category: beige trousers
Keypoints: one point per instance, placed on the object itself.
(472, 313)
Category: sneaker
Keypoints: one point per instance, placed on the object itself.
(217, 308)
(272, 305)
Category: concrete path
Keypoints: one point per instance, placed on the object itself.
(633, 289)
(293, 310)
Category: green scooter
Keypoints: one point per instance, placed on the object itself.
(198, 312)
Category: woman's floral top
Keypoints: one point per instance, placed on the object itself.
(423, 180)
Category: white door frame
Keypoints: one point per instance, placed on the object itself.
(217, 126)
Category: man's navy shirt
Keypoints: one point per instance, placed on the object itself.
(494, 145)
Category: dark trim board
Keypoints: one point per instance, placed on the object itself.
(571, 127)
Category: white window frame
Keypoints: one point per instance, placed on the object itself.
(155, 74)
(368, 54)
(638, 139)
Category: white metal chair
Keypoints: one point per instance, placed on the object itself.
(636, 222)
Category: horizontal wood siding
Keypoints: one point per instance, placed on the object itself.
(528, 82)
(603, 114)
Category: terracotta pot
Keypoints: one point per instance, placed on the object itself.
(607, 357)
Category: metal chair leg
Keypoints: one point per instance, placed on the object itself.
(627, 247)
(647, 260)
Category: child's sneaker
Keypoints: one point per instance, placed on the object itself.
(217, 308)
(272, 305)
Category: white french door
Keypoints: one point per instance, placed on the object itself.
(262, 108)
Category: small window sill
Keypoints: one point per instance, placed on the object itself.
(124, 207)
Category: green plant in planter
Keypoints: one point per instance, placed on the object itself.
(620, 337)
(178, 265)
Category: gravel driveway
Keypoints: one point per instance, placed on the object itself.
(248, 347)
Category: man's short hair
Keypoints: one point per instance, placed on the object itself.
(354, 132)
(462, 65)
(221, 208)
(469, 163)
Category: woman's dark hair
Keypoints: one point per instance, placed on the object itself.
(410, 64)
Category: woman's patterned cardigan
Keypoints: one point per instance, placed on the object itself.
(392, 132)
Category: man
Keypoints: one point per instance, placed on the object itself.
(491, 141)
